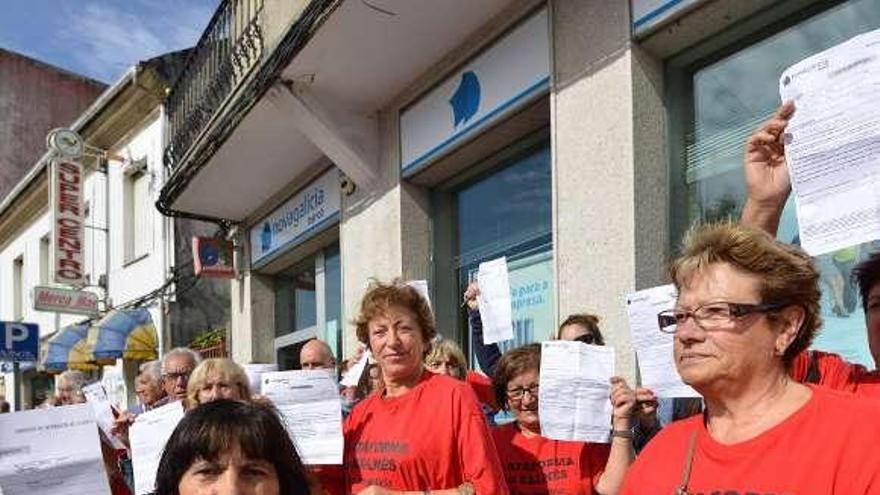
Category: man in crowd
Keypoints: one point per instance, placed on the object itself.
(148, 384)
(316, 355)
(4, 405)
(177, 365)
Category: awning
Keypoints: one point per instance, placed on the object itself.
(126, 333)
(68, 349)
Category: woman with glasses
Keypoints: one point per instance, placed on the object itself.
(536, 465)
(747, 305)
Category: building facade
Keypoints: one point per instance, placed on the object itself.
(130, 255)
(416, 139)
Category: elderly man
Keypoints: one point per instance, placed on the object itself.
(316, 355)
(148, 384)
(177, 365)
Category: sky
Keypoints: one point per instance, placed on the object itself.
(101, 39)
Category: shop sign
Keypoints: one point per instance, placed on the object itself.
(649, 14)
(65, 300)
(212, 257)
(509, 74)
(302, 216)
(66, 198)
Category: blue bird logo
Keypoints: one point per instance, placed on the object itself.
(266, 237)
(466, 99)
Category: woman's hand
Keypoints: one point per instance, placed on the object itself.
(470, 296)
(623, 400)
(646, 407)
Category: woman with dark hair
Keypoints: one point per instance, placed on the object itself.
(231, 447)
(535, 465)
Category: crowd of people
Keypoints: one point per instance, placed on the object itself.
(775, 417)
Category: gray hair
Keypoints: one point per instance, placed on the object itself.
(181, 351)
(151, 369)
(75, 378)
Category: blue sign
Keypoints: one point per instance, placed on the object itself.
(19, 341)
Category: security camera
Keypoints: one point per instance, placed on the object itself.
(346, 185)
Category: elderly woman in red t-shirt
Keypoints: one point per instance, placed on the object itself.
(747, 305)
(423, 431)
(534, 465)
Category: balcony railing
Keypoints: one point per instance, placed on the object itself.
(230, 47)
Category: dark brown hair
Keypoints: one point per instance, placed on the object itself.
(586, 320)
(867, 275)
(512, 364)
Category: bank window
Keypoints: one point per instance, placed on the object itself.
(137, 226)
(509, 213)
(722, 99)
(308, 304)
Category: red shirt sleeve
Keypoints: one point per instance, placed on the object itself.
(834, 372)
(482, 387)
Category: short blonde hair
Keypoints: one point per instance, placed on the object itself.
(786, 273)
(447, 349)
(380, 297)
(225, 369)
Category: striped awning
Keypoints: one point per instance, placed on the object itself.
(124, 333)
(68, 349)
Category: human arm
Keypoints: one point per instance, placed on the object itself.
(487, 355)
(621, 455)
(646, 423)
(767, 180)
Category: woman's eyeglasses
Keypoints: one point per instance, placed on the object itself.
(520, 392)
(712, 316)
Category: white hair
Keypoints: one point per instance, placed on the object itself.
(152, 369)
(181, 351)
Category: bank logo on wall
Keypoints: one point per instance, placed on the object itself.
(466, 99)
(309, 211)
(266, 237)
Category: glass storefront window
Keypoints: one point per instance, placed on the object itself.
(509, 213)
(295, 299)
(730, 97)
(308, 304)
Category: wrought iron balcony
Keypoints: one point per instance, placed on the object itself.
(230, 47)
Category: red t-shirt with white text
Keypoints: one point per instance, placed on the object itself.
(541, 466)
(433, 437)
(827, 447)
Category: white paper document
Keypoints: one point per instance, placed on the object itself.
(96, 396)
(353, 375)
(832, 144)
(574, 394)
(653, 347)
(494, 299)
(254, 371)
(312, 410)
(52, 451)
(148, 436)
(421, 286)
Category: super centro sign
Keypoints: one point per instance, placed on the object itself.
(67, 222)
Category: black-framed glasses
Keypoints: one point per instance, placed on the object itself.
(520, 392)
(713, 315)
